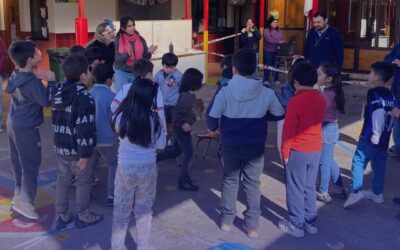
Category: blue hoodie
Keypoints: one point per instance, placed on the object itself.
(28, 97)
(244, 106)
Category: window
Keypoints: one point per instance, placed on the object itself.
(377, 23)
(217, 15)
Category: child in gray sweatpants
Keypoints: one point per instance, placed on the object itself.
(301, 150)
(28, 97)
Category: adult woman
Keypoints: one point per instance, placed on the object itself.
(250, 37)
(129, 47)
(104, 40)
(273, 36)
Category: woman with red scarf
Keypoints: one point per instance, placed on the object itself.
(129, 47)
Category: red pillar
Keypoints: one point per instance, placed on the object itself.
(205, 34)
(262, 21)
(188, 10)
(81, 25)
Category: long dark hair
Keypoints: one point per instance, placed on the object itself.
(123, 22)
(330, 70)
(191, 80)
(269, 21)
(135, 114)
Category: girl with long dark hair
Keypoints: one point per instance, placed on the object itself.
(140, 133)
(329, 77)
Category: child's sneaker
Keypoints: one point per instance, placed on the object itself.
(324, 197)
(251, 232)
(15, 198)
(25, 209)
(289, 228)
(311, 228)
(377, 198)
(1, 129)
(225, 227)
(87, 218)
(187, 185)
(353, 199)
(392, 152)
(396, 200)
(63, 220)
(110, 201)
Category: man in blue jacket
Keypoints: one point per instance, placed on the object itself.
(324, 43)
(394, 59)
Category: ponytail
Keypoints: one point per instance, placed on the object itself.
(331, 71)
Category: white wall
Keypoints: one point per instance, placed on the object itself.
(177, 9)
(2, 15)
(25, 15)
(62, 15)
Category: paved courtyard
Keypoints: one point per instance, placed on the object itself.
(189, 221)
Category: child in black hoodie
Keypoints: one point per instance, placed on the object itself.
(28, 97)
(73, 120)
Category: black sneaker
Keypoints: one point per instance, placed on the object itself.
(110, 202)
(60, 224)
(396, 200)
(187, 185)
(88, 218)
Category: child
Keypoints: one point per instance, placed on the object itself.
(95, 57)
(77, 50)
(329, 77)
(142, 69)
(183, 119)
(28, 97)
(374, 138)
(169, 81)
(243, 107)
(73, 120)
(136, 178)
(107, 144)
(301, 150)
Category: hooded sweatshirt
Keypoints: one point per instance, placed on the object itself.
(244, 106)
(73, 121)
(28, 97)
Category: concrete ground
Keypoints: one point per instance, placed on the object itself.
(190, 220)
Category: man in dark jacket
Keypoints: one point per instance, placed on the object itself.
(324, 43)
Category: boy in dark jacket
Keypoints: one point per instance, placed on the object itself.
(28, 97)
(73, 120)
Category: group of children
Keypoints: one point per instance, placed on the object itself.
(128, 131)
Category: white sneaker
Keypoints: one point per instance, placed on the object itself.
(25, 209)
(324, 197)
(353, 199)
(311, 228)
(1, 129)
(277, 82)
(289, 228)
(377, 198)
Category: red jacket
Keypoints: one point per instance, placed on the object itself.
(302, 130)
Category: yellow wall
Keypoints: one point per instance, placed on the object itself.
(2, 15)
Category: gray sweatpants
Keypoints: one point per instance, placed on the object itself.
(66, 169)
(301, 174)
(26, 156)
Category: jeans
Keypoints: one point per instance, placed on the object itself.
(122, 78)
(109, 154)
(26, 156)
(270, 60)
(396, 135)
(182, 144)
(327, 164)
(67, 168)
(301, 174)
(368, 152)
(248, 161)
(134, 184)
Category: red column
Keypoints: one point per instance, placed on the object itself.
(188, 10)
(81, 25)
(205, 35)
(262, 21)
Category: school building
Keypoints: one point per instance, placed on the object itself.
(370, 28)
